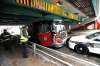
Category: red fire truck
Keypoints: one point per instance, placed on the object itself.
(48, 33)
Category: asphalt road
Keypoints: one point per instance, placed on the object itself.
(14, 58)
(94, 58)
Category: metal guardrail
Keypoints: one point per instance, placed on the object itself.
(63, 58)
(57, 59)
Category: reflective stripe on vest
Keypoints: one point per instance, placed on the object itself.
(23, 38)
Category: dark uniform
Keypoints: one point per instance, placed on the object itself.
(5, 39)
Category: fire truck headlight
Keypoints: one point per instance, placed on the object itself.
(45, 38)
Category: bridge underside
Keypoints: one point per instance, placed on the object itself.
(16, 14)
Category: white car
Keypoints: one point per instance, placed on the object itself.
(88, 42)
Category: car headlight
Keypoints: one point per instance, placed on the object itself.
(75, 42)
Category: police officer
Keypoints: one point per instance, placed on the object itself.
(5, 39)
(24, 40)
(5, 33)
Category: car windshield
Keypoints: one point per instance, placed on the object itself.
(93, 35)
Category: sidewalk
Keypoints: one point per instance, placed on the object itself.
(15, 59)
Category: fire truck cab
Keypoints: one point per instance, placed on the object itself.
(48, 33)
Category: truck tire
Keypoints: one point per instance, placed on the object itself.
(81, 49)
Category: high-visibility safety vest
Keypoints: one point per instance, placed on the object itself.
(24, 35)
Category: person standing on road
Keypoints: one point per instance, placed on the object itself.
(24, 40)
